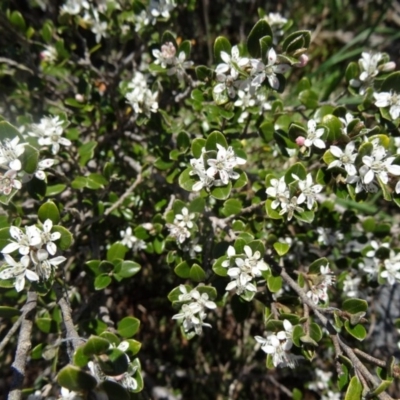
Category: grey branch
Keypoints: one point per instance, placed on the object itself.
(23, 347)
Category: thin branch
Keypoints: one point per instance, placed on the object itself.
(70, 332)
(23, 348)
(11, 333)
(124, 196)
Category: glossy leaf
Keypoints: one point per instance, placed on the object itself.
(50, 211)
(260, 29)
(128, 327)
(75, 379)
(354, 391)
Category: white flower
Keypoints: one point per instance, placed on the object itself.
(350, 286)
(179, 232)
(24, 241)
(309, 191)
(8, 183)
(289, 206)
(179, 65)
(166, 56)
(379, 166)
(49, 54)
(231, 252)
(226, 83)
(241, 283)
(389, 99)
(142, 99)
(10, 150)
(189, 318)
(279, 191)
(131, 241)
(42, 165)
(245, 100)
(98, 28)
(232, 63)
(317, 293)
(224, 164)
(314, 135)
(345, 158)
(48, 238)
(279, 345)
(252, 264)
(269, 71)
(18, 270)
(185, 219)
(74, 7)
(44, 265)
(392, 268)
(161, 8)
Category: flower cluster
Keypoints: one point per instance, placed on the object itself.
(375, 167)
(319, 284)
(215, 171)
(247, 74)
(179, 229)
(243, 269)
(192, 313)
(167, 59)
(306, 192)
(35, 247)
(278, 345)
(370, 66)
(140, 97)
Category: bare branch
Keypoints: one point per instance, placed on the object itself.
(23, 347)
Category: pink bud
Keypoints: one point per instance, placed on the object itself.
(389, 66)
(300, 140)
(80, 97)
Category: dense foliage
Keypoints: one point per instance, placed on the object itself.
(199, 199)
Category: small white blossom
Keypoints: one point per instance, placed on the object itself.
(378, 165)
(392, 268)
(23, 241)
(166, 56)
(131, 241)
(309, 191)
(232, 64)
(18, 270)
(185, 219)
(314, 135)
(279, 190)
(179, 66)
(8, 182)
(48, 238)
(289, 206)
(10, 151)
(179, 232)
(389, 99)
(345, 159)
(350, 286)
(161, 8)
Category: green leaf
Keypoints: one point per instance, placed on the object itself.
(9, 312)
(296, 41)
(186, 181)
(334, 127)
(221, 44)
(197, 146)
(8, 131)
(391, 83)
(221, 192)
(50, 211)
(297, 169)
(274, 283)
(358, 331)
(114, 391)
(95, 345)
(66, 238)
(298, 332)
(241, 181)
(80, 360)
(113, 362)
(281, 248)
(354, 306)
(354, 391)
(128, 327)
(18, 21)
(215, 138)
(383, 386)
(54, 190)
(111, 337)
(204, 73)
(232, 207)
(86, 152)
(274, 214)
(352, 71)
(309, 98)
(127, 269)
(218, 268)
(267, 129)
(117, 250)
(315, 266)
(260, 29)
(47, 325)
(37, 351)
(134, 347)
(315, 332)
(186, 47)
(73, 378)
(96, 181)
(182, 270)
(197, 273)
(30, 159)
(102, 281)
